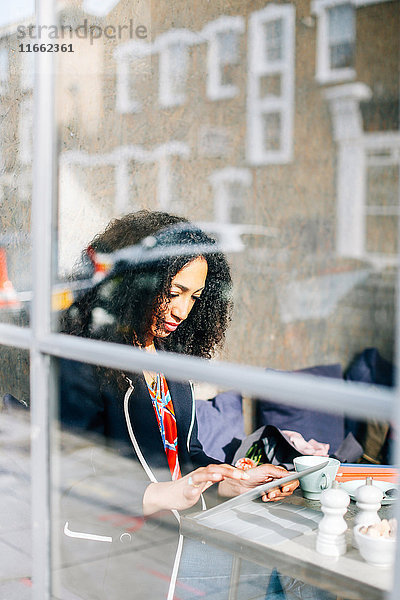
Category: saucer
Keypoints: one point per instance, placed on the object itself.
(351, 486)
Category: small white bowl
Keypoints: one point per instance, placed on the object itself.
(379, 552)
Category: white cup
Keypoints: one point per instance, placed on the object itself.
(314, 484)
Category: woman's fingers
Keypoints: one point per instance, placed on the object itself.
(277, 494)
(214, 473)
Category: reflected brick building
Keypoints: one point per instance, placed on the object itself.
(279, 122)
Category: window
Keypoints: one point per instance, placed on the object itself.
(367, 181)
(27, 70)
(270, 93)
(223, 56)
(134, 70)
(174, 69)
(336, 37)
(83, 179)
(382, 205)
(229, 191)
(341, 36)
(4, 70)
(173, 48)
(25, 130)
(166, 190)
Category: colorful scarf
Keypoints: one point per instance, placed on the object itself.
(165, 413)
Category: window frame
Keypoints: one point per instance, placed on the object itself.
(324, 72)
(44, 345)
(388, 146)
(219, 181)
(216, 89)
(124, 55)
(167, 96)
(258, 67)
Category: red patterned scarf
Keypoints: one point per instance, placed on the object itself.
(164, 409)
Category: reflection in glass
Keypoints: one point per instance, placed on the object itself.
(15, 467)
(16, 106)
(272, 131)
(273, 40)
(314, 168)
(105, 543)
(341, 36)
(228, 45)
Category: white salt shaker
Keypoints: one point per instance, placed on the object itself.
(369, 498)
(368, 501)
(331, 539)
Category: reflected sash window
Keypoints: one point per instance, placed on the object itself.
(4, 70)
(341, 36)
(174, 63)
(270, 97)
(336, 40)
(223, 56)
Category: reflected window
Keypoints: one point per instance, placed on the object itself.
(229, 55)
(25, 131)
(223, 56)
(270, 93)
(4, 70)
(174, 53)
(134, 74)
(382, 209)
(230, 187)
(271, 132)
(273, 40)
(27, 71)
(174, 62)
(341, 36)
(336, 38)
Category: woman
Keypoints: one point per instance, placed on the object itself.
(169, 288)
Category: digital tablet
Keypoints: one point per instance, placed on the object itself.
(258, 491)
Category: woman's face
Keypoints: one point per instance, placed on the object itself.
(186, 289)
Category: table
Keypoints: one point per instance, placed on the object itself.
(254, 532)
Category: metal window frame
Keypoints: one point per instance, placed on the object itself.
(353, 399)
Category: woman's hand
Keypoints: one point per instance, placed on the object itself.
(257, 476)
(185, 492)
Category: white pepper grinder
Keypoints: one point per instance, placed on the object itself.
(368, 501)
(331, 537)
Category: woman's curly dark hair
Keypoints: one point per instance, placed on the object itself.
(149, 249)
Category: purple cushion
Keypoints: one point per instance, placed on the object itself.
(220, 423)
(321, 426)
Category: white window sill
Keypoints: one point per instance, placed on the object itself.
(336, 76)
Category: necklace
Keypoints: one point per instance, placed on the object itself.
(151, 379)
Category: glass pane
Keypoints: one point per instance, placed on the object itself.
(117, 433)
(273, 40)
(16, 106)
(15, 512)
(272, 131)
(308, 237)
(383, 187)
(228, 45)
(178, 68)
(382, 234)
(341, 23)
(341, 36)
(341, 55)
(271, 86)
